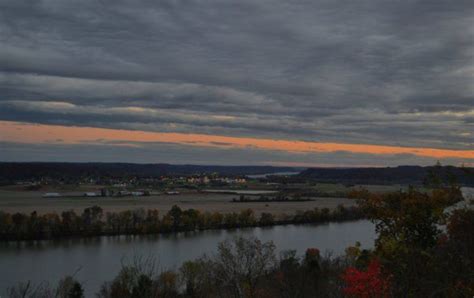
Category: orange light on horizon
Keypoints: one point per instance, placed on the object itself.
(29, 133)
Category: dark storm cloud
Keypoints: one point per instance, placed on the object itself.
(180, 154)
(371, 71)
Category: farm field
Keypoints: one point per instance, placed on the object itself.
(29, 201)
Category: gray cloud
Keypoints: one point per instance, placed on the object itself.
(180, 154)
(372, 71)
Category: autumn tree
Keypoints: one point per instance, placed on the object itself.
(240, 265)
(408, 232)
(369, 283)
(266, 219)
(175, 214)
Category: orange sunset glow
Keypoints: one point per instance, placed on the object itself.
(39, 134)
(236, 148)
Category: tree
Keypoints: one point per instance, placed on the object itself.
(198, 278)
(70, 222)
(28, 289)
(6, 223)
(125, 219)
(143, 287)
(455, 256)
(216, 219)
(152, 221)
(138, 220)
(247, 218)
(366, 284)
(113, 222)
(266, 219)
(92, 219)
(134, 280)
(461, 227)
(175, 213)
(68, 287)
(407, 217)
(35, 226)
(241, 264)
(190, 219)
(52, 225)
(231, 220)
(20, 224)
(290, 279)
(167, 284)
(407, 225)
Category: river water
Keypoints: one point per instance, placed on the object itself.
(99, 259)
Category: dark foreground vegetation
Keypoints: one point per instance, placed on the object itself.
(412, 257)
(94, 222)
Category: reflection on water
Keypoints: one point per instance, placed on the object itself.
(99, 258)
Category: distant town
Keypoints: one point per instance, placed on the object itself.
(138, 187)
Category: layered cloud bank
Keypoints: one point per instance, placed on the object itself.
(23, 133)
(376, 82)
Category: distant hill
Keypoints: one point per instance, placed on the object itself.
(414, 175)
(12, 171)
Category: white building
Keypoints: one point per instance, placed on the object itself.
(51, 195)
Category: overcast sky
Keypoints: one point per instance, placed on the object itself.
(373, 72)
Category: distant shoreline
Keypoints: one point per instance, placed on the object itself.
(93, 222)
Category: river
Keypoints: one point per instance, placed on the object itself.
(99, 259)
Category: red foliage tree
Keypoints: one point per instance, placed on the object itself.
(366, 284)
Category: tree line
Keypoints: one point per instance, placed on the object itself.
(94, 221)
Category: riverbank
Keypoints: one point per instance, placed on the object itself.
(94, 221)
